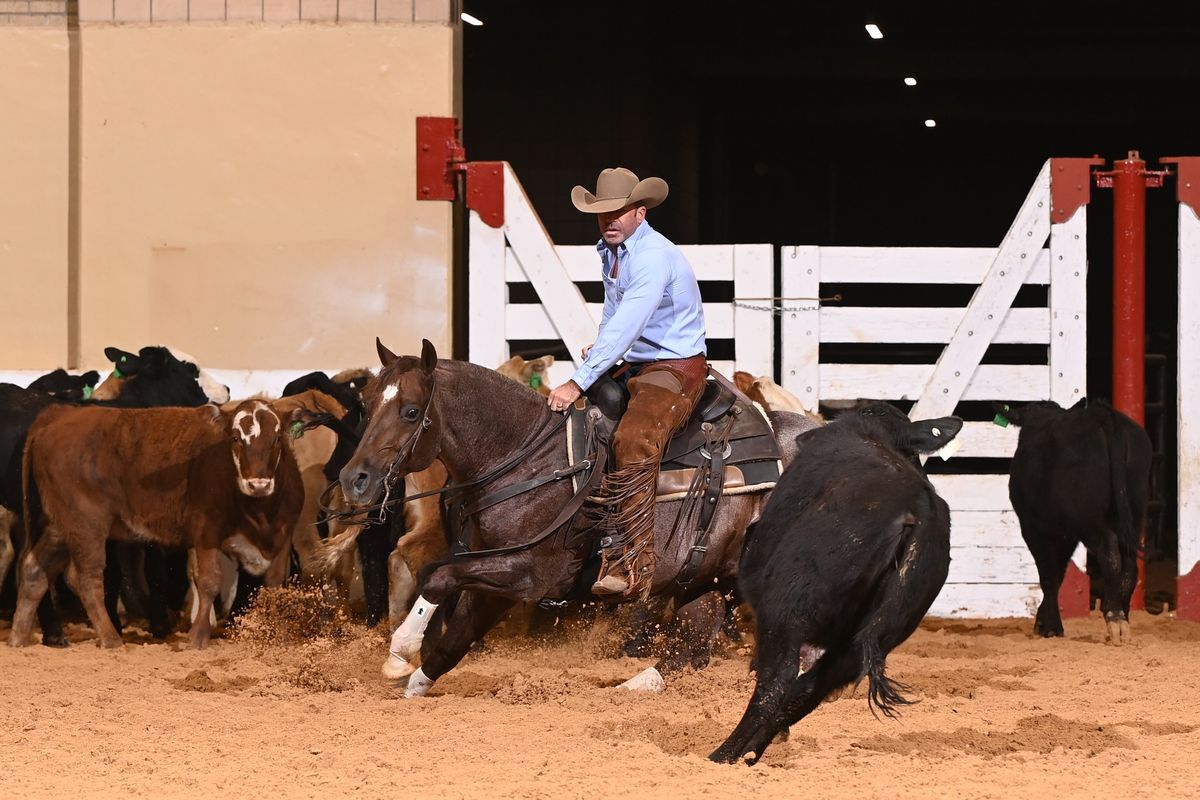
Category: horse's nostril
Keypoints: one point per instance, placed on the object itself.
(360, 482)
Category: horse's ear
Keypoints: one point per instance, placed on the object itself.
(428, 357)
(386, 357)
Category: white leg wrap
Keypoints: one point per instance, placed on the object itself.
(648, 680)
(406, 641)
(418, 684)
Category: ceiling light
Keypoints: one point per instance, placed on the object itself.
(931, 123)
(910, 81)
(467, 18)
(873, 31)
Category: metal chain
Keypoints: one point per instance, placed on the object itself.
(778, 309)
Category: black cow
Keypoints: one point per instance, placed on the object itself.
(65, 386)
(851, 550)
(1081, 475)
(378, 540)
(153, 377)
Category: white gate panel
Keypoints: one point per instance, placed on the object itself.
(992, 571)
(1188, 392)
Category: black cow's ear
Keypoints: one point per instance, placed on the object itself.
(90, 378)
(126, 363)
(428, 357)
(386, 357)
(931, 435)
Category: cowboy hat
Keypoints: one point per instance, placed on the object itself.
(617, 188)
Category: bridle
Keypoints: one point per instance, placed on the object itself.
(405, 451)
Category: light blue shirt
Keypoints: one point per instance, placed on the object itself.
(652, 310)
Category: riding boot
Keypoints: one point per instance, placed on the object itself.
(658, 406)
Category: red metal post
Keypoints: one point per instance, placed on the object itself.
(1128, 180)
(1129, 287)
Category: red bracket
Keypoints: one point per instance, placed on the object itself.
(1070, 186)
(1187, 180)
(438, 153)
(441, 158)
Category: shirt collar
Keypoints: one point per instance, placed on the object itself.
(629, 244)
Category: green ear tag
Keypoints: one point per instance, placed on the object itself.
(297, 429)
(87, 393)
(535, 381)
(1000, 420)
(117, 372)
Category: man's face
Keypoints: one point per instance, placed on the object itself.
(617, 226)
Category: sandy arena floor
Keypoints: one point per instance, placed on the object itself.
(262, 714)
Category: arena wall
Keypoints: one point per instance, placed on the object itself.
(246, 189)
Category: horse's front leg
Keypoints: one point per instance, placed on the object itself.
(509, 577)
(474, 615)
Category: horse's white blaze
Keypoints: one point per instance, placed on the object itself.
(389, 392)
(648, 680)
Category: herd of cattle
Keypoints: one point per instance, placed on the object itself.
(154, 495)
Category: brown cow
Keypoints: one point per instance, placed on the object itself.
(197, 477)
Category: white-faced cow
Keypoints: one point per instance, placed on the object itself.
(1081, 475)
(850, 552)
(200, 478)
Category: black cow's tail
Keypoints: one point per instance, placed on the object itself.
(883, 693)
(1128, 539)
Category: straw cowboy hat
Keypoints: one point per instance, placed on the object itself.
(617, 188)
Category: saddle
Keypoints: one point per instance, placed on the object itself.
(727, 445)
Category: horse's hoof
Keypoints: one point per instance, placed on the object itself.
(397, 668)
(648, 680)
(418, 685)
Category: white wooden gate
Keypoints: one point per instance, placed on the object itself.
(1188, 392)
(521, 252)
(992, 573)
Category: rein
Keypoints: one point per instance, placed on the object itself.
(539, 437)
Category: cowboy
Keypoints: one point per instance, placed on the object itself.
(653, 319)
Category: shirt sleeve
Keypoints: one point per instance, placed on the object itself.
(628, 319)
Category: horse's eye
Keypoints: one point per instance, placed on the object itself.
(411, 413)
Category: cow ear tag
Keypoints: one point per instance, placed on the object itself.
(1000, 419)
(297, 429)
(535, 381)
(87, 392)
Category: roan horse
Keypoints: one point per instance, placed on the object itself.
(475, 421)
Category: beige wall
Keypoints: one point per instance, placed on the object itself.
(247, 192)
(33, 197)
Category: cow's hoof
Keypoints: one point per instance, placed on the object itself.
(20, 641)
(112, 644)
(1118, 632)
(54, 640)
(397, 668)
(1047, 633)
(418, 684)
(648, 680)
